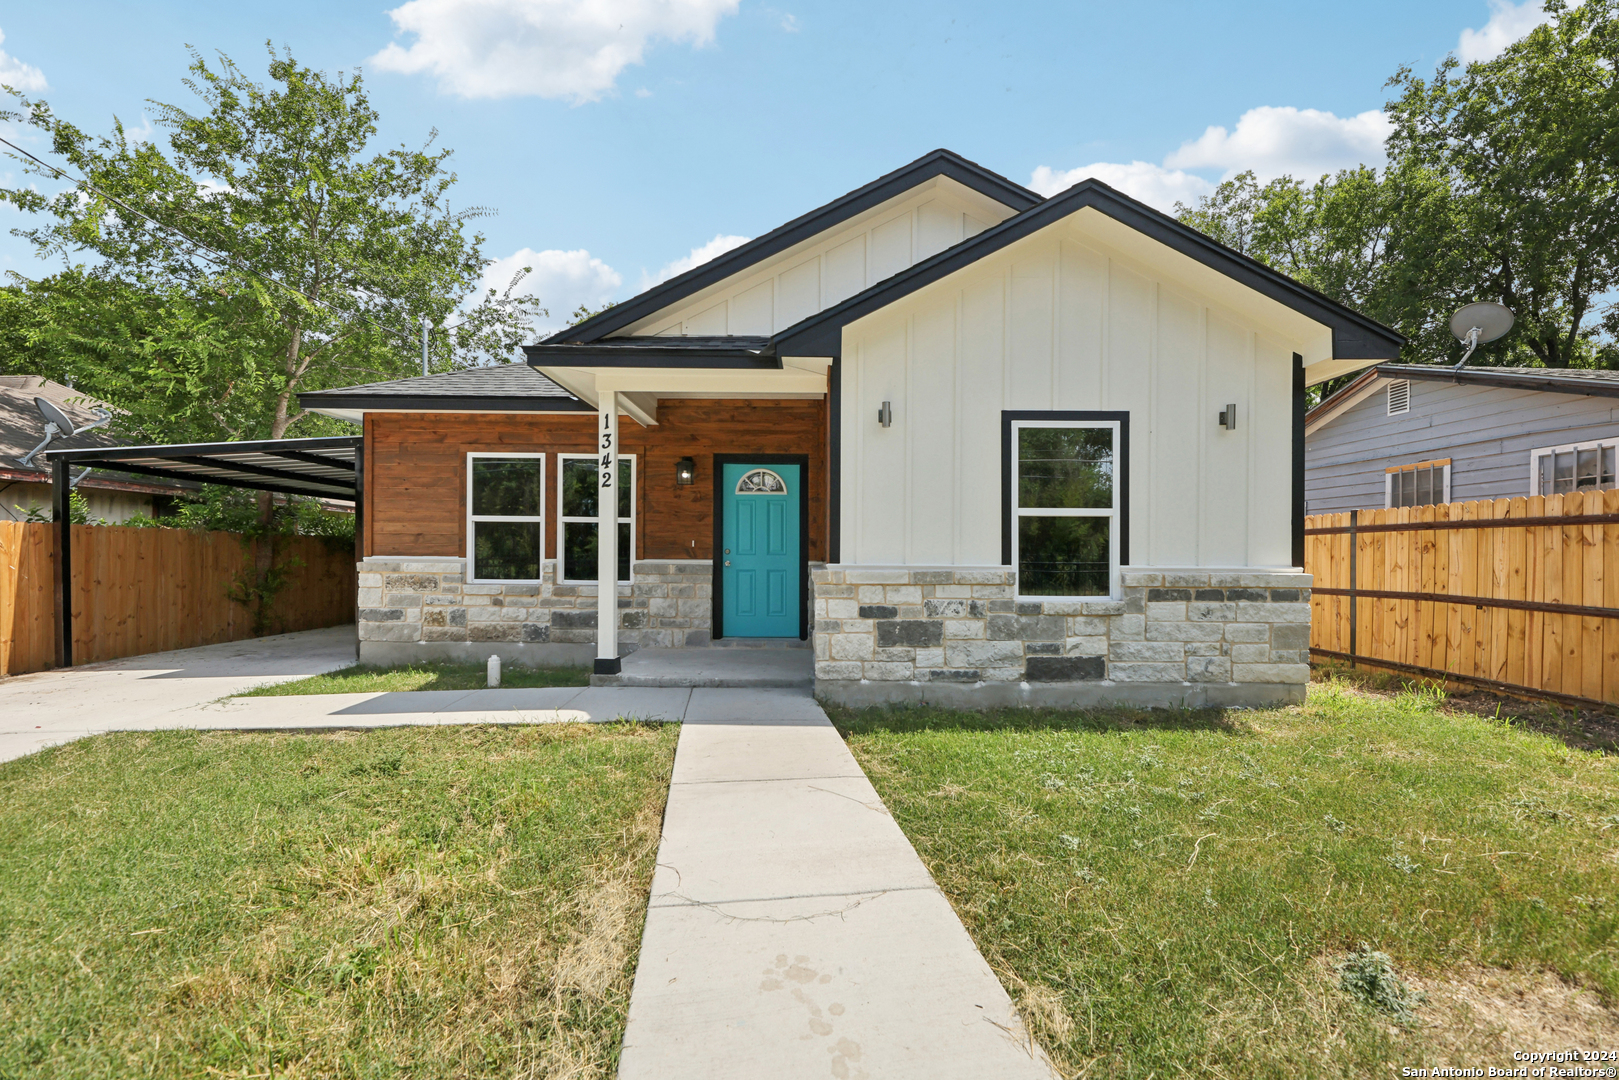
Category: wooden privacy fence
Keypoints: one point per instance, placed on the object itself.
(1519, 594)
(148, 590)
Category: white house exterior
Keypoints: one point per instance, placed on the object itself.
(1038, 451)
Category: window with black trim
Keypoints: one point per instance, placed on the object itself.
(1065, 506)
(577, 521)
(505, 516)
(1421, 484)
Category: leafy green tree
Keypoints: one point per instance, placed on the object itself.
(263, 252)
(1500, 185)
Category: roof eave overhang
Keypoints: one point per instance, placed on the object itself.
(1355, 340)
(935, 164)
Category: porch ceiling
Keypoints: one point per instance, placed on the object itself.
(640, 388)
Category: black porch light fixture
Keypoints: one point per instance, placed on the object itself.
(685, 471)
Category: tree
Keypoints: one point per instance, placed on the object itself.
(263, 253)
(1500, 185)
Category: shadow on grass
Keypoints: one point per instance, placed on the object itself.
(908, 718)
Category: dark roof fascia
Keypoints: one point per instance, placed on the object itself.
(1354, 336)
(316, 491)
(1549, 383)
(938, 163)
(591, 356)
(326, 399)
(174, 450)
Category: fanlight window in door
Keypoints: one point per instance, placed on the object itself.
(761, 482)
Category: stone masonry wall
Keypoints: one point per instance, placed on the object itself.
(1176, 637)
(417, 600)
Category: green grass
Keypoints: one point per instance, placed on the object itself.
(367, 679)
(1170, 894)
(438, 902)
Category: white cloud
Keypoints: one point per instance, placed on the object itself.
(1508, 22)
(573, 49)
(18, 75)
(699, 255)
(789, 23)
(1153, 184)
(1272, 141)
(561, 279)
(1301, 143)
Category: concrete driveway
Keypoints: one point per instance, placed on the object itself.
(145, 692)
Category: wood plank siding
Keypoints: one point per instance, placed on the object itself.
(415, 470)
(1487, 432)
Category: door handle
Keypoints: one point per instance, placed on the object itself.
(727, 562)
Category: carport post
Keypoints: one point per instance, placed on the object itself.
(62, 514)
(607, 479)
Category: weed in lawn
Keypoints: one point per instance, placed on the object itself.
(367, 679)
(1201, 935)
(440, 902)
(1368, 975)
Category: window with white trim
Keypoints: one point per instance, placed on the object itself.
(1421, 484)
(505, 517)
(577, 520)
(1065, 495)
(1588, 466)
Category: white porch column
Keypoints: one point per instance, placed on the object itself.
(607, 479)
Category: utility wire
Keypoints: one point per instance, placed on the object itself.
(220, 259)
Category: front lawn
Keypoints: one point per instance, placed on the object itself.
(408, 902)
(1172, 894)
(368, 679)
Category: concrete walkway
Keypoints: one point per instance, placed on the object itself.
(714, 665)
(794, 932)
(142, 692)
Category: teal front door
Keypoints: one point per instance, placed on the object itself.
(759, 580)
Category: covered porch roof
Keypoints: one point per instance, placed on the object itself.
(640, 370)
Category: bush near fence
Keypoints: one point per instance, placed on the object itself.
(149, 590)
(1535, 582)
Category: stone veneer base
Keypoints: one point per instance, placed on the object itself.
(1068, 695)
(520, 654)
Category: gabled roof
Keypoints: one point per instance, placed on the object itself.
(938, 163)
(1585, 382)
(492, 388)
(1354, 336)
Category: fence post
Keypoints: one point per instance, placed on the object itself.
(1354, 607)
(62, 510)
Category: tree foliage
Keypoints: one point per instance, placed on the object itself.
(264, 251)
(1500, 185)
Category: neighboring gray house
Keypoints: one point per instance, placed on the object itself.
(1410, 435)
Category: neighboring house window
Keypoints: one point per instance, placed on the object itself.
(1577, 467)
(1065, 481)
(1422, 484)
(505, 516)
(1399, 397)
(577, 521)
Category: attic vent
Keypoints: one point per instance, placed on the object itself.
(1399, 397)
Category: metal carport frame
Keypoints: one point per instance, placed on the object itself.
(327, 468)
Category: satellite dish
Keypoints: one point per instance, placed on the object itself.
(59, 425)
(1474, 324)
(54, 415)
(1491, 321)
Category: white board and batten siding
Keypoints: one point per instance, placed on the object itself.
(1060, 321)
(834, 265)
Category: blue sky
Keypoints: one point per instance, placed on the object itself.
(622, 140)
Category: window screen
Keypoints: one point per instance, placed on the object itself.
(1588, 467)
(577, 520)
(506, 516)
(1065, 503)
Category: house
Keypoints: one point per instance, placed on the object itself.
(972, 445)
(1410, 435)
(25, 491)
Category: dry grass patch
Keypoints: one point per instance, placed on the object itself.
(456, 902)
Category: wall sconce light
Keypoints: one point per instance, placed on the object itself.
(885, 415)
(1228, 418)
(685, 471)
